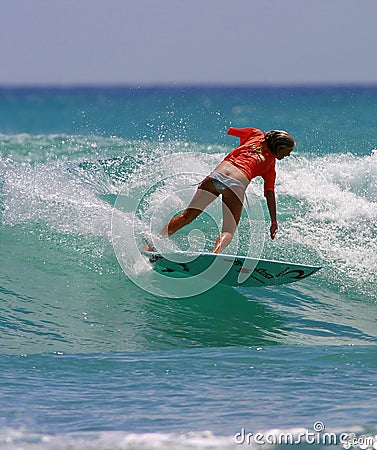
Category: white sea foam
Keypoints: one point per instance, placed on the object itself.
(50, 195)
(335, 211)
(353, 437)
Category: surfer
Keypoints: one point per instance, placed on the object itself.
(255, 156)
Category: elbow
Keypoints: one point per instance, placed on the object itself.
(269, 193)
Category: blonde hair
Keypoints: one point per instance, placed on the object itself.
(278, 138)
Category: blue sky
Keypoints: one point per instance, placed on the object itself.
(188, 41)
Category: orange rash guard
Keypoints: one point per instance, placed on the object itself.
(253, 156)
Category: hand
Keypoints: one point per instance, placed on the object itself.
(273, 229)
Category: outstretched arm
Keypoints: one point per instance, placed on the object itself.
(271, 204)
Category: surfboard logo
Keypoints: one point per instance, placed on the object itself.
(300, 274)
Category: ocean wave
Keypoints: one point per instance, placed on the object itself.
(335, 213)
(326, 204)
(60, 214)
(356, 438)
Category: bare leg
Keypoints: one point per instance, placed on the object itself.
(205, 194)
(232, 208)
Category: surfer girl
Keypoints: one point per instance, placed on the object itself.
(255, 156)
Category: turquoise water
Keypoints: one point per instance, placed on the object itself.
(92, 357)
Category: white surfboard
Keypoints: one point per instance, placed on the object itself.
(231, 270)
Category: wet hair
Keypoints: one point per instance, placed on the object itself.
(278, 138)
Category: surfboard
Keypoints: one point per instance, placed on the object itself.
(231, 270)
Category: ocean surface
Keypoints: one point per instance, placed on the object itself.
(95, 350)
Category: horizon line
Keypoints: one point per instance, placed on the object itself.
(188, 85)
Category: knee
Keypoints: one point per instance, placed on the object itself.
(229, 229)
(189, 215)
(227, 234)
